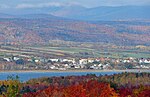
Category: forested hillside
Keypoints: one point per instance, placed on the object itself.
(43, 30)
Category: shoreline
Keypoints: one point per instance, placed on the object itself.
(82, 70)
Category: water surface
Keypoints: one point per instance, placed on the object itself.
(24, 76)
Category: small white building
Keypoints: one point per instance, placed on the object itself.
(16, 58)
(146, 61)
(54, 60)
(83, 61)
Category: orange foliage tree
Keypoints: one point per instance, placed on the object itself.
(89, 89)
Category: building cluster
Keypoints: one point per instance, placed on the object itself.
(37, 63)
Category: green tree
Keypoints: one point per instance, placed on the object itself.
(13, 88)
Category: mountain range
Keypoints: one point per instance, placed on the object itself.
(106, 13)
(103, 13)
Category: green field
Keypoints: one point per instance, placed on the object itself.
(49, 51)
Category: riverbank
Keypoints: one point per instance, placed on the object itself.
(81, 70)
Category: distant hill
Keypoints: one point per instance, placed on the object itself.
(77, 12)
(42, 30)
(2, 15)
(106, 13)
(36, 16)
(28, 16)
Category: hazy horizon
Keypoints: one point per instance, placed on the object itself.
(23, 4)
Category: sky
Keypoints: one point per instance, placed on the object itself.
(18, 4)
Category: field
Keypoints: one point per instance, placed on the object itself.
(77, 50)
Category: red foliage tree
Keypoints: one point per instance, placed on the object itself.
(89, 89)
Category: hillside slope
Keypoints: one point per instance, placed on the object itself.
(43, 30)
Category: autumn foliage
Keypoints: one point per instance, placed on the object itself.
(89, 89)
(118, 85)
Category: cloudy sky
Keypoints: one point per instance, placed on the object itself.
(5, 4)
